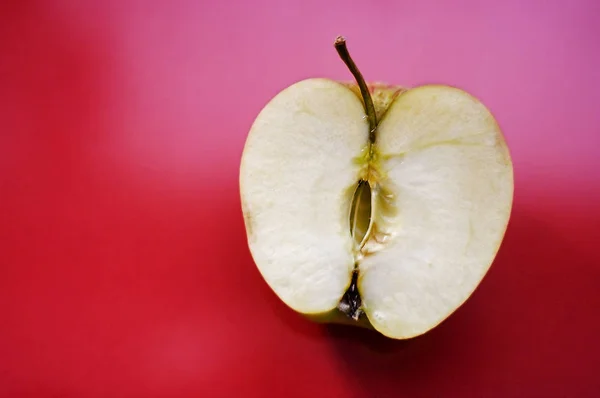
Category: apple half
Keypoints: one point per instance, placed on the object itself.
(375, 205)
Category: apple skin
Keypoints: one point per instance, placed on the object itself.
(335, 316)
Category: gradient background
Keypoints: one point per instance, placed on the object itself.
(124, 270)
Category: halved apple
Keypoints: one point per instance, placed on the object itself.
(375, 205)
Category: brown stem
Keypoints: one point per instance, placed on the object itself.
(340, 46)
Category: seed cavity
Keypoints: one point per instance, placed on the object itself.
(361, 214)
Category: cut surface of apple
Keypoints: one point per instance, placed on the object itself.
(411, 220)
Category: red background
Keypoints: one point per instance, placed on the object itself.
(124, 270)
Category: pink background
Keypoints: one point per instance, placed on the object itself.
(124, 270)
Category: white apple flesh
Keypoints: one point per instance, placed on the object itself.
(430, 218)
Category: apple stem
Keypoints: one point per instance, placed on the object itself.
(342, 49)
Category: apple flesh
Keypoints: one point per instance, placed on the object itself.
(394, 233)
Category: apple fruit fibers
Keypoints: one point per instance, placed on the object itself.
(375, 205)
